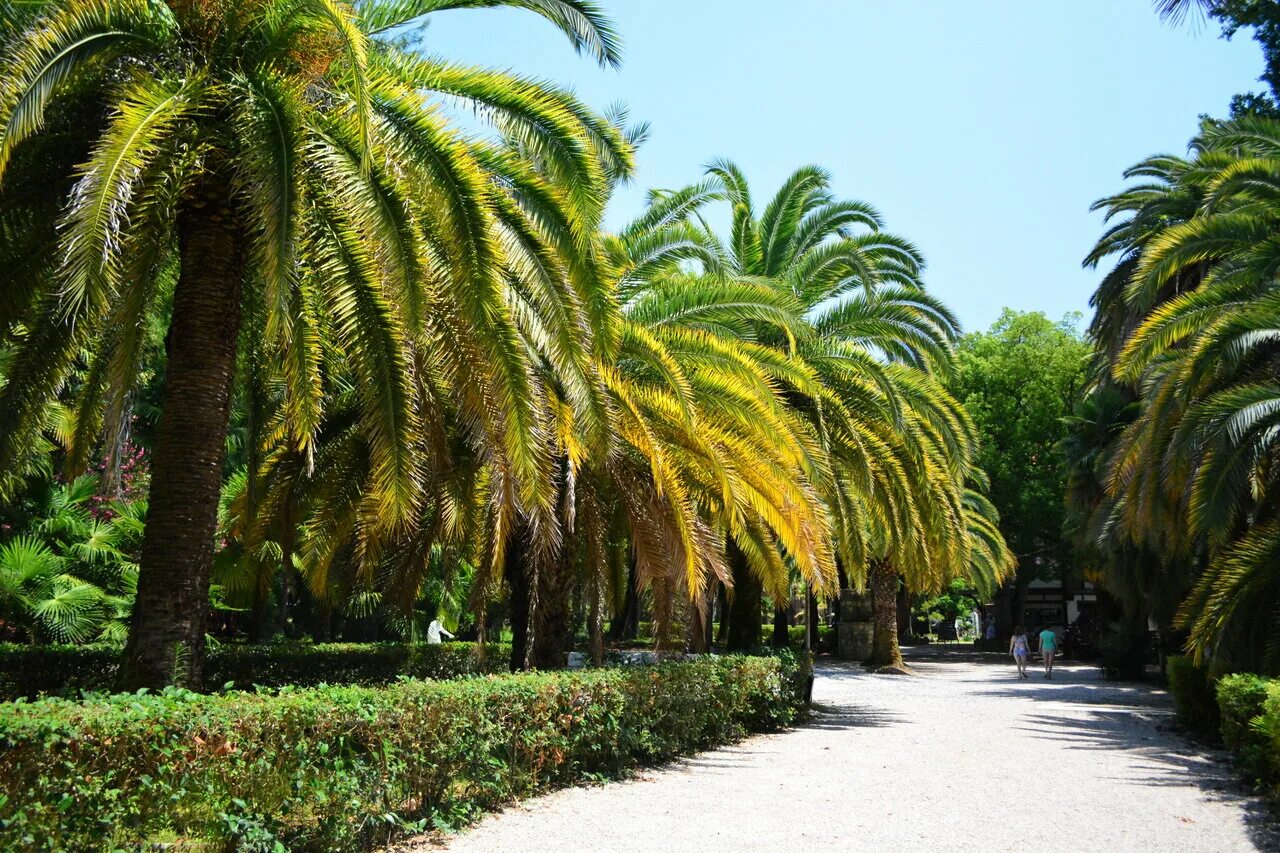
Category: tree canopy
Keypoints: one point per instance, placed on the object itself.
(370, 355)
(1019, 381)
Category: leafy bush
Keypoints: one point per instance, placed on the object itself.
(1123, 649)
(826, 638)
(342, 767)
(956, 601)
(1242, 701)
(70, 574)
(1194, 696)
(30, 671)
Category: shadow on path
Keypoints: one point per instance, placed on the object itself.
(1080, 711)
(835, 716)
(1171, 759)
(1087, 693)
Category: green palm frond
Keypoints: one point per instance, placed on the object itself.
(65, 41)
(580, 20)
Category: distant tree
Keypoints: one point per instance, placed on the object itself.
(1262, 17)
(1019, 381)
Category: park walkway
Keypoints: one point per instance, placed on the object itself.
(963, 757)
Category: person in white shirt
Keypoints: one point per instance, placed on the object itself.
(434, 630)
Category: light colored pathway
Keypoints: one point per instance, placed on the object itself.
(963, 757)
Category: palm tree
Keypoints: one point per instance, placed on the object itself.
(702, 464)
(897, 445)
(1192, 479)
(1176, 10)
(273, 173)
(886, 441)
(1124, 544)
(70, 576)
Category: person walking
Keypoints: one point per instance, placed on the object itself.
(434, 630)
(1048, 648)
(1019, 648)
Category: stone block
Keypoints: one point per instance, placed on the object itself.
(854, 606)
(853, 640)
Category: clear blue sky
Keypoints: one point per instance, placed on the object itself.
(981, 130)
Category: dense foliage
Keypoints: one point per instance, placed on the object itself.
(1242, 709)
(1019, 381)
(326, 254)
(382, 368)
(33, 671)
(338, 767)
(1243, 699)
(1177, 441)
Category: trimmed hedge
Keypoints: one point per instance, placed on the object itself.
(1194, 696)
(826, 638)
(33, 671)
(344, 767)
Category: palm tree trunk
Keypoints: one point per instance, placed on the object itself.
(595, 619)
(744, 603)
(886, 656)
(259, 627)
(701, 611)
(553, 636)
(811, 617)
(626, 624)
(904, 611)
(167, 637)
(722, 604)
(781, 622)
(517, 573)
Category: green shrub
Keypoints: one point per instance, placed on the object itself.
(1260, 752)
(826, 638)
(344, 767)
(1242, 700)
(1123, 649)
(31, 671)
(1194, 696)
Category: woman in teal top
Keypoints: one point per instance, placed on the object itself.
(1048, 648)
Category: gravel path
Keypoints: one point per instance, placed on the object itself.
(963, 757)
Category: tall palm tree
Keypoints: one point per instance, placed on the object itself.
(277, 173)
(890, 447)
(1193, 478)
(897, 445)
(702, 463)
(1125, 544)
(704, 402)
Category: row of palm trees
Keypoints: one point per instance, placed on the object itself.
(434, 353)
(1174, 454)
